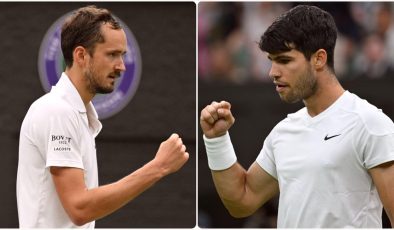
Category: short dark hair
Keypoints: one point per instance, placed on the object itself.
(304, 28)
(83, 28)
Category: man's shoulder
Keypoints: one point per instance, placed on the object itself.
(51, 104)
(291, 120)
(371, 117)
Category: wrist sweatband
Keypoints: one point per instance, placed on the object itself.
(220, 152)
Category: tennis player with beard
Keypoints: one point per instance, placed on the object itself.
(57, 181)
(331, 161)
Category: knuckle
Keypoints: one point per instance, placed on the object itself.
(211, 109)
(179, 143)
(172, 138)
(205, 115)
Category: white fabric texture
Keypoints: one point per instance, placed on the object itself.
(58, 130)
(220, 152)
(321, 164)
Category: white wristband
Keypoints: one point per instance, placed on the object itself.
(220, 152)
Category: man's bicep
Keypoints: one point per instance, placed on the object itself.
(261, 184)
(383, 178)
(69, 183)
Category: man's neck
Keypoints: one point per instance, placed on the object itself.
(327, 92)
(80, 84)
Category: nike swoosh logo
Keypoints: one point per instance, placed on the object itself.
(329, 137)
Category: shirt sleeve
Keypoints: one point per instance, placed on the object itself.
(375, 140)
(63, 148)
(266, 158)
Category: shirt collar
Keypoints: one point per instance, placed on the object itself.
(66, 89)
(93, 120)
(69, 93)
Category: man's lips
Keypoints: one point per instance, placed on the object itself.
(280, 86)
(114, 75)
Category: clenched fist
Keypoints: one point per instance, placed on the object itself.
(216, 119)
(172, 154)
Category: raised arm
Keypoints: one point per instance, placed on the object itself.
(85, 205)
(241, 191)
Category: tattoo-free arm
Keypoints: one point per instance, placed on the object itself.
(243, 192)
(383, 178)
(85, 205)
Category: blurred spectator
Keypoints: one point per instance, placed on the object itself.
(221, 42)
(375, 58)
(228, 34)
(373, 61)
(256, 19)
(385, 29)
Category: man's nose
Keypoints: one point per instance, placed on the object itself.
(120, 66)
(274, 71)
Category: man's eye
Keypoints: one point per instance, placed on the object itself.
(283, 61)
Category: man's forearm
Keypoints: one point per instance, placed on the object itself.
(107, 199)
(243, 192)
(230, 185)
(84, 206)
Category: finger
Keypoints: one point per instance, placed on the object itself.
(209, 114)
(215, 104)
(222, 104)
(186, 155)
(226, 114)
(212, 109)
(173, 136)
(225, 105)
(179, 143)
(183, 149)
(206, 117)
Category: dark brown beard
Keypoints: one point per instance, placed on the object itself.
(305, 88)
(94, 87)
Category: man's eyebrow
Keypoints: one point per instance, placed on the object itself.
(280, 56)
(122, 52)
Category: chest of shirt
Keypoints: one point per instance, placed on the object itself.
(88, 151)
(317, 152)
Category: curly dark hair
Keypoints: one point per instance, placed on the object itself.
(304, 28)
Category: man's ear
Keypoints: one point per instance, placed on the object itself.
(80, 55)
(319, 59)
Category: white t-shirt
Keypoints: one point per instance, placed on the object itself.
(58, 130)
(321, 164)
